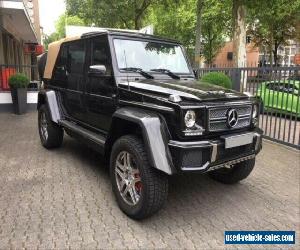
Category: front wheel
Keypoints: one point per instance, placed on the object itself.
(140, 189)
(234, 174)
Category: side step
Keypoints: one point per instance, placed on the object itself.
(84, 133)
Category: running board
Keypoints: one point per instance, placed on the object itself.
(84, 133)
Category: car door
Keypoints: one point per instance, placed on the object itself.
(69, 79)
(290, 98)
(267, 95)
(75, 91)
(101, 90)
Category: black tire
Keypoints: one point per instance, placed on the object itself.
(55, 133)
(154, 190)
(235, 174)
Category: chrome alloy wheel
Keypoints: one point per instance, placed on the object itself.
(44, 126)
(128, 178)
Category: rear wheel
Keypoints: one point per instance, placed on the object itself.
(234, 174)
(51, 134)
(140, 189)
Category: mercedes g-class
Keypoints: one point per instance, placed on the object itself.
(135, 99)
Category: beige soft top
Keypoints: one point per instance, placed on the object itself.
(53, 50)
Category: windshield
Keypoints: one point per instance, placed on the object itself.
(148, 55)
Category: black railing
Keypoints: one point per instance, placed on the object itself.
(279, 89)
(31, 71)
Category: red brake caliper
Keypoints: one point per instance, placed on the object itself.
(138, 185)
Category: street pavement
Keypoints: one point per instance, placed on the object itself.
(62, 199)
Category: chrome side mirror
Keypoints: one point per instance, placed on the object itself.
(97, 70)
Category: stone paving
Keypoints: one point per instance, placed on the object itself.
(62, 199)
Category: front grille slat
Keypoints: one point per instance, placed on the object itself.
(218, 118)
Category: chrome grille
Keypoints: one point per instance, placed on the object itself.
(218, 118)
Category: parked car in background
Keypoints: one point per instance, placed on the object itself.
(282, 96)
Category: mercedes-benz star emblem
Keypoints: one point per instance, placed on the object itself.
(232, 118)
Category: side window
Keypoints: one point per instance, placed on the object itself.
(101, 54)
(289, 88)
(76, 57)
(270, 86)
(282, 87)
(62, 59)
(59, 72)
(278, 86)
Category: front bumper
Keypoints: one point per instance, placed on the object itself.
(210, 155)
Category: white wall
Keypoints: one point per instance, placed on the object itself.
(5, 97)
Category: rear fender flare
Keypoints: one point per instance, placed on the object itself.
(49, 98)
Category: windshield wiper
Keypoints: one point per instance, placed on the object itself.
(140, 71)
(167, 72)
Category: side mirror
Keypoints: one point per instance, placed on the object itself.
(97, 70)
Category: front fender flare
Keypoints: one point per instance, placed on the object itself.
(155, 136)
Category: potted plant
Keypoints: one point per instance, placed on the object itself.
(18, 84)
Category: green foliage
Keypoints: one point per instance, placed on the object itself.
(217, 78)
(171, 19)
(216, 26)
(126, 14)
(60, 26)
(18, 81)
(64, 20)
(174, 19)
(272, 23)
(50, 38)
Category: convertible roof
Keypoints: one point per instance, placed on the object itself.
(53, 50)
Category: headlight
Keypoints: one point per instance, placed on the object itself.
(255, 111)
(190, 118)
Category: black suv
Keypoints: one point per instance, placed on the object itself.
(134, 98)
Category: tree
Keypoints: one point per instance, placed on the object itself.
(181, 20)
(60, 28)
(50, 38)
(111, 13)
(197, 55)
(239, 33)
(65, 20)
(273, 23)
(216, 26)
(174, 19)
(212, 41)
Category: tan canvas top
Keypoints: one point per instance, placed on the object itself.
(53, 50)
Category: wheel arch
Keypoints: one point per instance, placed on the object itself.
(152, 130)
(49, 99)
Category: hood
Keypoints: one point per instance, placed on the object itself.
(186, 89)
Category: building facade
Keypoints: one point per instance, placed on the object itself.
(258, 56)
(225, 56)
(20, 35)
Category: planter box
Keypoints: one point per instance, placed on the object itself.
(19, 98)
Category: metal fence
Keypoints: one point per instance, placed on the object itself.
(31, 71)
(278, 88)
